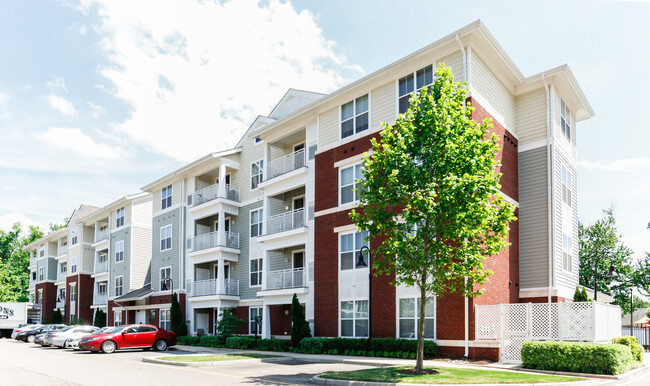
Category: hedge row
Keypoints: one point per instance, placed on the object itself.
(633, 344)
(381, 347)
(577, 357)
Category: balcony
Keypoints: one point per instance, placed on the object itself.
(287, 278)
(212, 193)
(101, 266)
(101, 235)
(60, 304)
(286, 221)
(209, 287)
(32, 284)
(285, 164)
(60, 276)
(100, 298)
(211, 240)
(62, 250)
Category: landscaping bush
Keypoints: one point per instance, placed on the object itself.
(248, 343)
(633, 344)
(188, 340)
(577, 357)
(386, 347)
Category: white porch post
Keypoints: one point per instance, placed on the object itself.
(221, 283)
(266, 268)
(221, 225)
(222, 181)
(266, 168)
(266, 322)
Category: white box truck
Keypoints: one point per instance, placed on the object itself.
(14, 314)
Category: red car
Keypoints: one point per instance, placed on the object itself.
(143, 336)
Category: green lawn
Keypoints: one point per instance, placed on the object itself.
(215, 358)
(446, 376)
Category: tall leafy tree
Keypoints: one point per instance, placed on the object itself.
(14, 263)
(430, 194)
(178, 325)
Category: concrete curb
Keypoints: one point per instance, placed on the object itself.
(340, 382)
(214, 363)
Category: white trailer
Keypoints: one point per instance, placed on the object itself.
(14, 314)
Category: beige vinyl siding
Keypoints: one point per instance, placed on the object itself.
(140, 256)
(329, 127)
(455, 61)
(493, 92)
(87, 263)
(531, 116)
(250, 153)
(533, 220)
(565, 279)
(157, 197)
(383, 105)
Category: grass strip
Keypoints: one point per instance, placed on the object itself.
(215, 358)
(446, 375)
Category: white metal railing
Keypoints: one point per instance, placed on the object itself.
(101, 234)
(287, 278)
(210, 240)
(61, 276)
(63, 249)
(286, 221)
(60, 304)
(32, 284)
(101, 266)
(209, 287)
(100, 298)
(286, 163)
(212, 193)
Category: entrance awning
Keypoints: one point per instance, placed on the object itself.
(139, 294)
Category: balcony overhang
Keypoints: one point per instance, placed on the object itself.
(283, 296)
(100, 275)
(61, 257)
(284, 239)
(99, 245)
(285, 182)
(215, 206)
(213, 301)
(95, 306)
(213, 254)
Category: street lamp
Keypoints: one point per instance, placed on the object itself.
(361, 263)
(611, 273)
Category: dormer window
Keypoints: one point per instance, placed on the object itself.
(119, 215)
(74, 238)
(167, 197)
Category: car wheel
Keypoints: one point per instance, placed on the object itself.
(31, 338)
(161, 345)
(109, 347)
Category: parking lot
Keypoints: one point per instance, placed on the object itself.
(30, 364)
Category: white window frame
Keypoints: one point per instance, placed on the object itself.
(40, 296)
(163, 276)
(41, 250)
(73, 264)
(119, 217)
(416, 89)
(167, 194)
(416, 317)
(251, 322)
(354, 318)
(75, 236)
(63, 267)
(99, 288)
(567, 253)
(259, 223)
(165, 319)
(567, 178)
(355, 116)
(121, 286)
(165, 238)
(566, 120)
(117, 318)
(73, 292)
(119, 251)
(259, 272)
(357, 167)
(355, 248)
(41, 273)
(257, 178)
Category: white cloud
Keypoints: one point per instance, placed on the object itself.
(74, 140)
(61, 104)
(196, 75)
(8, 220)
(57, 83)
(96, 110)
(640, 165)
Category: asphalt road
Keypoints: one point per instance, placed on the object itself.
(30, 364)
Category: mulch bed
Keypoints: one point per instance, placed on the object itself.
(418, 372)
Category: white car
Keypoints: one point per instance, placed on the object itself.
(62, 337)
(22, 328)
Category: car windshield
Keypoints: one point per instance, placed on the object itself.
(102, 330)
(116, 329)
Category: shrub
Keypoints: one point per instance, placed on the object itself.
(100, 318)
(57, 317)
(178, 325)
(248, 343)
(633, 344)
(387, 347)
(228, 325)
(580, 295)
(189, 340)
(79, 321)
(577, 357)
(299, 326)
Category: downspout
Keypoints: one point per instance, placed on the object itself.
(549, 182)
(183, 245)
(466, 355)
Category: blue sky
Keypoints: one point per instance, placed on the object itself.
(99, 97)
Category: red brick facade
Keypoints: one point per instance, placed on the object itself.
(48, 303)
(83, 297)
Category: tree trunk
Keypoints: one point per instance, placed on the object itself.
(419, 361)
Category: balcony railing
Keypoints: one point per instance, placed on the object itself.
(288, 278)
(60, 304)
(209, 240)
(286, 163)
(100, 298)
(62, 250)
(209, 287)
(61, 276)
(32, 284)
(101, 266)
(286, 221)
(212, 193)
(101, 234)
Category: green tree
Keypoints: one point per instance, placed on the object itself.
(430, 194)
(228, 325)
(14, 263)
(580, 295)
(57, 317)
(178, 324)
(299, 326)
(100, 318)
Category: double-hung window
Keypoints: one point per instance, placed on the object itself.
(41, 251)
(409, 314)
(119, 251)
(354, 116)
(566, 185)
(41, 274)
(257, 173)
(64, 268)
(165, 319)
(119, 217)
(349, 247)
(73, 292)
(166, 238)
(74, 236)
(567, 249)
(354, 318)
(566, 121)
(73, 264)
(166, 197)
(254, 319)
(348, 183)
(117, 318)
(256, 272)
(119, 286)
(256, 222)
(412, 83)
(165, 275)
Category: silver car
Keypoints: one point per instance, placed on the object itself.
(22, 328)
(74, 342)
(62, 337)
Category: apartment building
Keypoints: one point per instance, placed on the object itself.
(251, 226)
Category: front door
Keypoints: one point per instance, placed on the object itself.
(298, 274)
(140, 317)
(299, 156)
(298, 215)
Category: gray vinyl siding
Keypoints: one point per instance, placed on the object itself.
(281, 260)
(123, 267)
(50, 271)
(170, 257)
(533, 219)
(240, 270)
(278, 203)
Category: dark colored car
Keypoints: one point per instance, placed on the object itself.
(30, 335)
(143, 336)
